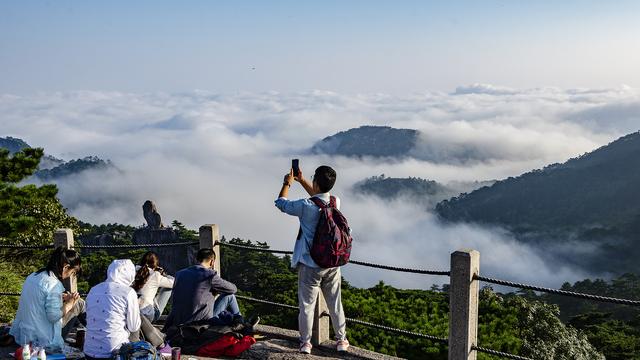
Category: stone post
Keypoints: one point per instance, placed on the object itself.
(463, 305)
(209, 236)
(64, 238)
(320, 330)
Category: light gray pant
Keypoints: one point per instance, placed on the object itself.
(149, 332)
(310, 282)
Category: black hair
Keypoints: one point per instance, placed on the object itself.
(149, 261)
(325, 177)
(59, 259)
(205, 254)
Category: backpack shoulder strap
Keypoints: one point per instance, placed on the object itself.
(332, 201)
(319, 203)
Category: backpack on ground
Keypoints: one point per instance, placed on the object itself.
(138, 350)
(331, 245)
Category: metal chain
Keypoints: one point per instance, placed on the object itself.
(559, 292)
(355, 262)
(136, 246)
(499, 353)
(19, 294)
(355, 321)
(394, 268)
(254, 248)
(114, 246)
(399, 331)
(267, 302)
(41, 247)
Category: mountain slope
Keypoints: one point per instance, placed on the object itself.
(421, 191)
(593, 199)
(412, 189)
(50, 167)
(597, 189)
(376, 141)
(13, 144)
(73, 167)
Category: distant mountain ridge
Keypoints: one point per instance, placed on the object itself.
(15, 144)
(414, 189)
(74, 167)
(592, 199)
(375, 141)
(52, 168)
(392, 144)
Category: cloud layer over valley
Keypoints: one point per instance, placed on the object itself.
(219, 158)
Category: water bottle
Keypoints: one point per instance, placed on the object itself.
(26, 352)
(42, 355)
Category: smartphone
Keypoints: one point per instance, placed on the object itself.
(295, 165)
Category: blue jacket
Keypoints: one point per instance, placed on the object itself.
(39, 316)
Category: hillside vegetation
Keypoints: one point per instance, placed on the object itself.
(375, 141)
(592, 200)
(51, 168)
(427, 193)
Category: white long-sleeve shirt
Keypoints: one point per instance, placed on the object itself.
(112, 311)
(148, 292)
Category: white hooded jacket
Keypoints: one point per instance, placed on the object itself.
(112, 311)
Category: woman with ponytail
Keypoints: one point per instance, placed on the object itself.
(44, 307)
(152, 285)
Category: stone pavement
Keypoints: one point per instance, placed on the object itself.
(281, 344)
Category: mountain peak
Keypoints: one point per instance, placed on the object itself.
(369, 140)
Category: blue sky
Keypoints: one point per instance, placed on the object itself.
(344, 46)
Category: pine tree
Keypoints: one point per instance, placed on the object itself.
(29, 214)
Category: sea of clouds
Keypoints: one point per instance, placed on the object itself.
(220, 158)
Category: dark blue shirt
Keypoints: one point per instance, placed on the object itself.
(193, 294)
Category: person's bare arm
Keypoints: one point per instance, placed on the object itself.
(306, 184)
(286, 184)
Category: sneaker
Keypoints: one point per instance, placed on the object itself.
(165, 349)
(7, 340)
(342, 345)
(305, 348)
(79, 343)
(253, 321)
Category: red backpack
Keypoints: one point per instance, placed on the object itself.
(331, 245)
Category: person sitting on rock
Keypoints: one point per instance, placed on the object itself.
(45, 309)
(153, 286)
(113, 314)
(194, 290)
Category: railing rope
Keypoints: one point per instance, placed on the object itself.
(355, 262)
(499, 353)
(137, 246)
(399, 331)
(110, 246)
(38, 247)
(559, 292)
(351, 320)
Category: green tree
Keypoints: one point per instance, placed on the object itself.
(29, 214)
(544, 336)
(617, 339)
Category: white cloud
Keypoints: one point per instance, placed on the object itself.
(219, 158)
(487, 89)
